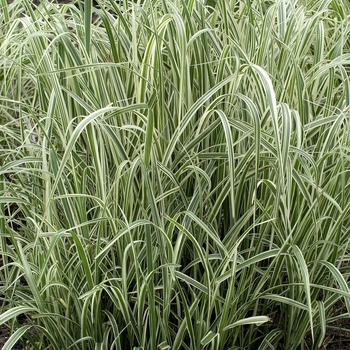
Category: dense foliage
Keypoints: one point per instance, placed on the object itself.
(174, 174)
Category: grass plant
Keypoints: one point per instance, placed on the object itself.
(174, 174)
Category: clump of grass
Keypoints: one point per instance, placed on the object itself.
(174, 174)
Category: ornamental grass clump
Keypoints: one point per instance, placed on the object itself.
(174, 174)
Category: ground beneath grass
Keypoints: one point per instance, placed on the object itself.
(337, 334)
(5, 334)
